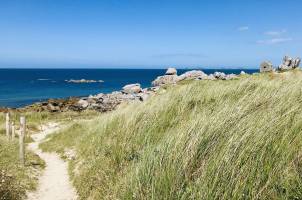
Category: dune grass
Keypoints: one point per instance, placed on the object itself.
(239, 139)
(16, 179)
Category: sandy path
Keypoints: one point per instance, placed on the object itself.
(54, 184)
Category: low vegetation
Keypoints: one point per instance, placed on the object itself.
(239, 139)
(16, 179)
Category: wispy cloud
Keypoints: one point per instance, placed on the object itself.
(274, 41)
(275, 33)
(243, 28)
(175, 55)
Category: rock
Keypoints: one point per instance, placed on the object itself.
(132, 88)
(171, 71)
(153, 89)
(242, 73)
(143, 96)
(194, 74)
(266, 66)
(289, 63)
(220, 75)
(53, 108)
(297, 62)
(231, 76)
(211, 77)
(164, 80)
(83, 103)
(84, 81)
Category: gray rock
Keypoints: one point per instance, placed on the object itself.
(53, 108)
(211, 77)
(171, 71)
(266, 66)
(164, 80)
(143, 96)
(154, 89)
(231, 76)
(194, 74)
(132, 88)
(297, 62)
(242, 73)
(220, 75)
(83, 103)
(289, 63)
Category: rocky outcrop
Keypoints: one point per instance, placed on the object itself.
(164, 80)
(194, 74)
(132, 88)
(129, 93)
(289, 63)
(52, 105)
(171, 71)
(223, 76)
(108, 102)
(266, 66)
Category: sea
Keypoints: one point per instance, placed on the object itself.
(21, 87)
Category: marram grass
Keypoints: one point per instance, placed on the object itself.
(239, 139)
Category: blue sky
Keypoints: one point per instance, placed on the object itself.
(153, 33)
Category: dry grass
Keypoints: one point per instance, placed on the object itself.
(238, 139)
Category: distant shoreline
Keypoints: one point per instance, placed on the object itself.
(22, 87)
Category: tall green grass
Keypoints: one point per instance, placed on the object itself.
(239, 139)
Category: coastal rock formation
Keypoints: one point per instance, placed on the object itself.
(171, 71)
(242, 73)
(129, 93)
(166, 79)
(223, 76)
(132, 88)
(289, 63)
(266, 66)
(84, 81)
(194, 74)
(52, 105)
(220, 75)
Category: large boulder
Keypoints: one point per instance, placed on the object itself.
(266, 66)
(164, 80)
(289, 63)
(132, 88)
(194, 74)
(171, 71)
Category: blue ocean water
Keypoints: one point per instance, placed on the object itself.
(20, 87)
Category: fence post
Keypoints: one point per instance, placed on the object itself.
(7, 125)
(13, 130)
(21, 139)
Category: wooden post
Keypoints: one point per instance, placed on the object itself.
(7, 125)
(21, 139)
(13, 130)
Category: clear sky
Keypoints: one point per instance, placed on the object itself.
(148, 33)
